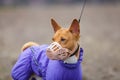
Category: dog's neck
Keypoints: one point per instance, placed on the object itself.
(74, 56)
(75, 50)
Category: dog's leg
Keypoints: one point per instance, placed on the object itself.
(35, 77)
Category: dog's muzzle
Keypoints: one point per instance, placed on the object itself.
(56, 51)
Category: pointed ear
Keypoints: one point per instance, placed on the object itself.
(55, 25)
(75, 27)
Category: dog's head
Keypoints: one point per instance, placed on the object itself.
(65, 41)
(66, 37)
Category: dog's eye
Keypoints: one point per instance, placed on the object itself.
(63, 39)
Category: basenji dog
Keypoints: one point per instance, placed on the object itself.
(63, 52)
(67, 37)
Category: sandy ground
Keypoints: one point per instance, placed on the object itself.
(100, 35)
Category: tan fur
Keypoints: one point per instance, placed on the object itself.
(66, 37)
(28, 44)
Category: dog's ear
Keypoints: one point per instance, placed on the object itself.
(55, 25)
(75, 27)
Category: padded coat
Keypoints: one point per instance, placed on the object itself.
(34, 60)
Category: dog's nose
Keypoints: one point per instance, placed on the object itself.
(54, 46)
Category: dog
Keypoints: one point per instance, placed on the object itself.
(60, 60)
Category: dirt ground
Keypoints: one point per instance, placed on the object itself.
(100, 35)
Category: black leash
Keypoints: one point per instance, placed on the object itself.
(82, 11)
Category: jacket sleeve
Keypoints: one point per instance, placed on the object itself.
(22, 69)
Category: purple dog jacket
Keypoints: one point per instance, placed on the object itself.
(34, 60)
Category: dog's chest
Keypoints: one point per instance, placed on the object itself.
(60, 71)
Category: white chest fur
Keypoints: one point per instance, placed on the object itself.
(71, 60)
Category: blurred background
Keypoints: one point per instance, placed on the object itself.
(29, 20)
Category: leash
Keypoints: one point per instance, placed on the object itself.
(83, 7)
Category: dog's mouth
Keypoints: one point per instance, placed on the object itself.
(56, 52)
